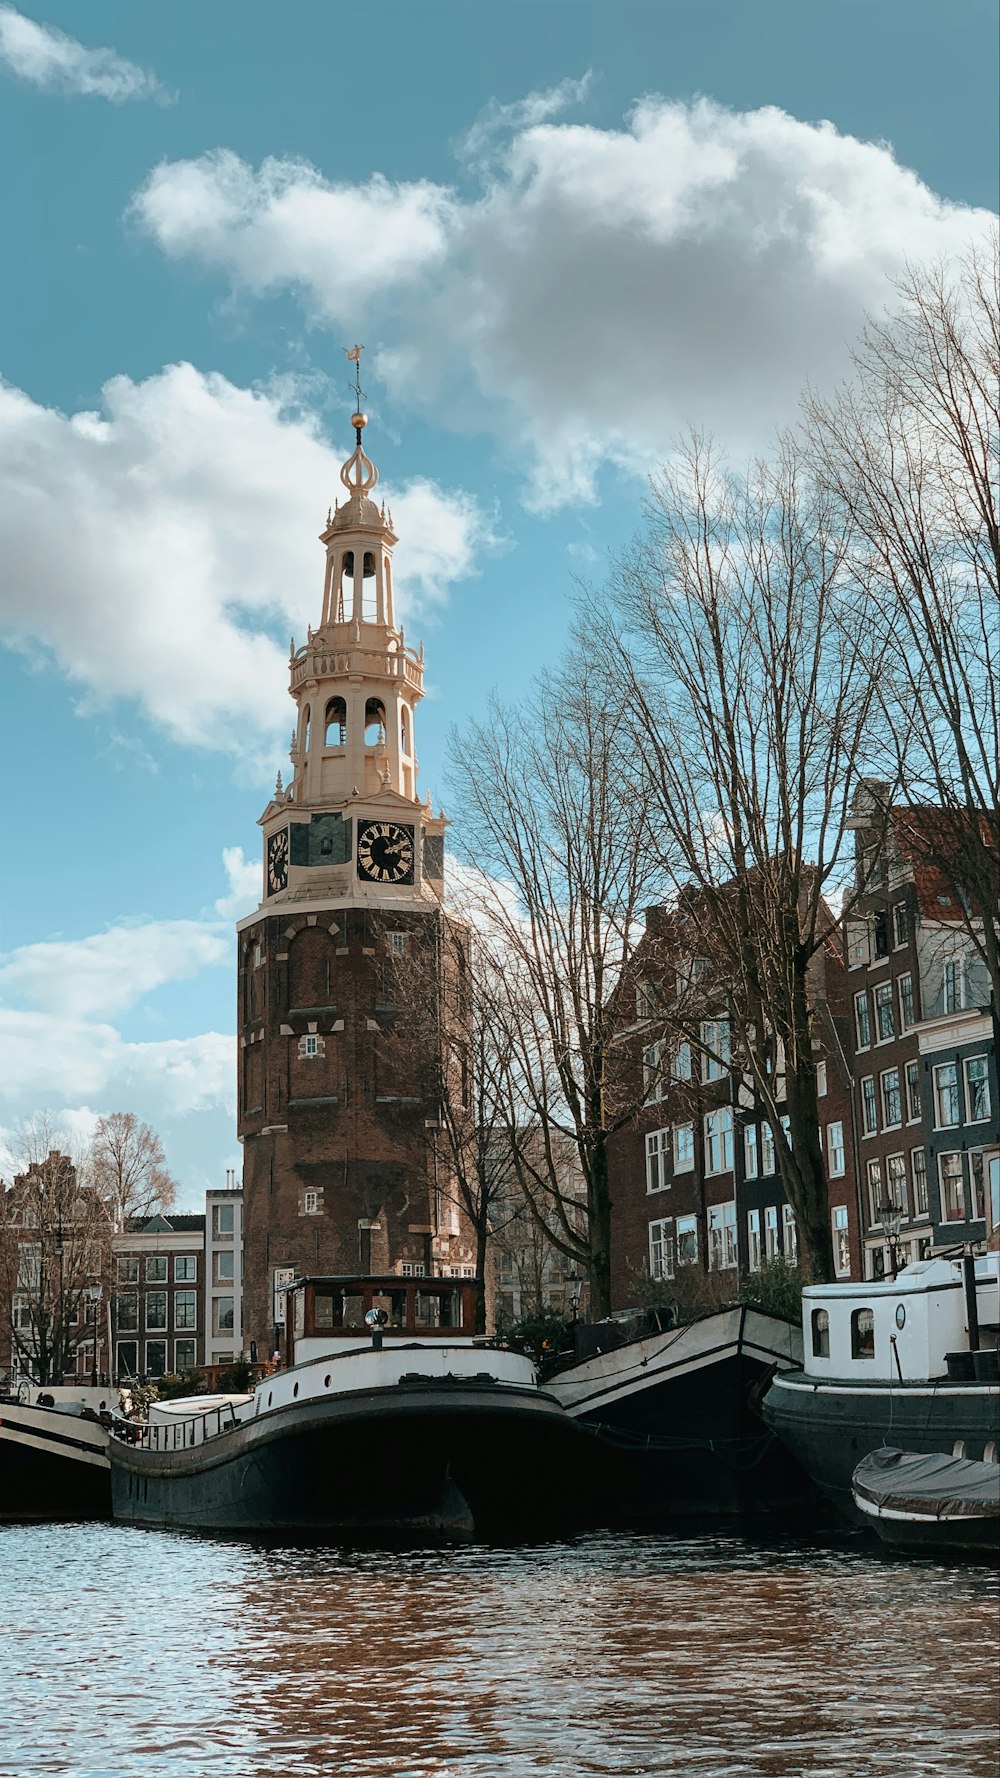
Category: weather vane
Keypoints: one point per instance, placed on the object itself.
(353, 356)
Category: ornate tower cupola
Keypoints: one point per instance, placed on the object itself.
(356, 686)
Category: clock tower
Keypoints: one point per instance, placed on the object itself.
(336, 1116)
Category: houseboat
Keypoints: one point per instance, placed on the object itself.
(387, 1418)
(54, 1461)
(909, 1362)
(674, 1421)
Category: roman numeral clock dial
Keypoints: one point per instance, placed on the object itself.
(385, 852)
(277, 861)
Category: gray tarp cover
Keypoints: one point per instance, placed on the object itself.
(934, 1485)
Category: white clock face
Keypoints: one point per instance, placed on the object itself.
(277, 861)
(385, 852)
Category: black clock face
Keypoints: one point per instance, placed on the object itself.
(277, 861)
(385, 852)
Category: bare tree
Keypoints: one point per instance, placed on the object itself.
(750, 703)
(54, 1245)
(126, 1165)
(551, 808)
(910, 449)
(447, 999)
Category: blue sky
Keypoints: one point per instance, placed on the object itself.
(564, 231)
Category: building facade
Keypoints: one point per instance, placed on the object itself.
(157, 1302)
(224, 1275)
(333, 1111)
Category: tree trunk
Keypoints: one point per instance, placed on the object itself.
(599, 1205)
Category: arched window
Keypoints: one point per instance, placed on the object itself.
(863, 1333)
(821, 1333)
(374, 722)
(369, 565)
(336, 723)
(404, 731)
(306, 726)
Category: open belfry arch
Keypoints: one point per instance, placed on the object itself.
(336, 1108)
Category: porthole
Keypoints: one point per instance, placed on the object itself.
(327, 1380)
(295, 1389)
(270, 1397)
(900, 1315)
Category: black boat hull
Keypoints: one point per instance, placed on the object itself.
(52, 1465)
(675, 1426)
(829, 1428)
(419, 1459)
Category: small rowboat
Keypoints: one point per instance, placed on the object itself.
(930, 1501)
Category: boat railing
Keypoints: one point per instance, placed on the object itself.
(177, 1435)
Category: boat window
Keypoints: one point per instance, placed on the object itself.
(821, 1333)
(323, 1309)
(428, 1310)
(354, 1309)
(393, 1306)
(863, 1333)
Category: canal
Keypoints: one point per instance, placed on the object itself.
(134, 1654)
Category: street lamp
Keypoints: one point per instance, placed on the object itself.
(575, 1288)
(94, 1293)
(891, 1217)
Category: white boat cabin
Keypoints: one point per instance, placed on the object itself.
(329, 1314)
(897, 1329)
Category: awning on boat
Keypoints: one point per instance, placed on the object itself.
(927, 1485)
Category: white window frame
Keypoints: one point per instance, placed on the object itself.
(894, 1173)
(311, 1204)
(156, 1268)
(907, 1002)
(654, 1083)
(127, 1268)
(821, 1080)
(919, 1183)
(185, 1268)
(722, 1255)
(835, 1150)
(155, 1326)
(715, 1046)
(789, 1234)
(185, 1308)
(984, 1115)
(952, 1155)
(771, 1231)
(719, 1140)
(684, 1148)
(684, 1228)
(657, 1160)
(751, 1160)
(180, 1365)
(862, 1021)
(952, 1088)
(753, 1241)
(682, 1064)
(661, 1248)
(840, 1224)
(911, 1082)
(884, 1002)
(900, 918)
(889, 1122)
(869, 1106)
(873, 1175)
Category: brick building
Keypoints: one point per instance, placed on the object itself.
(695, 1182)
(923, 1060)
(158, 1298)
(333, 1113)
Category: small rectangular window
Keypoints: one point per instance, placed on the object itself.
(885, 1014)
(156, 1310)
(821, 1080)
(682, 1062)
(951, 1175)
(895, 1181)
(977, 1089)
(900, 924)
(904, 988)
(820, 1323)
(657, 1160)
(156, 1268)
(661, 1249)
(841, 1240)
(715, 1049)
(918, 1176)
(912, 1091)
(771, 1231)
(875, 1193)
(223, 1265)
(127, 1312)
(869, 1105)
(185, 1268)
(683, 1148)
(156, 1358)
(397, 943)
(653, 1078)
(222, 1314)
(863, 1333)
(686, 1234)
(719, 1140)
(223, 1221)
(947, 1112)
(722, 1236)
(185, 1309)
(753, 1240)
(750, 1160)
(836, 1158)
(184, 1356)
(892, 1102)
(767, 1161)
(310, 1203)
(128, 1268)
(789, 1234)
(862, 1020)
(951, 986)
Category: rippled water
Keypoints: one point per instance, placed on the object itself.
(134, 1654)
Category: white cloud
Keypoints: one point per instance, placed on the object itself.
(61, 1061)
(245, 884)
(107, 972)
(602, 289)
(48, 58)
(193, 507)
(498, 121)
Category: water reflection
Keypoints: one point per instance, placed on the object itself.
(138, 1653)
